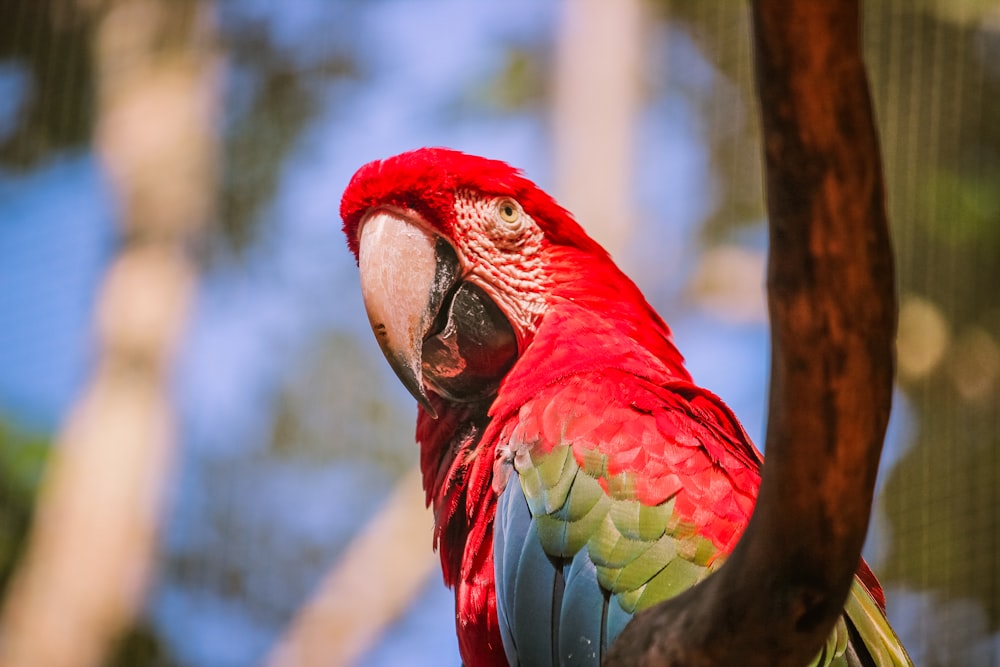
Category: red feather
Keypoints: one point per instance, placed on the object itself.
(426, 181)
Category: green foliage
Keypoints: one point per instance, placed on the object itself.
(275, 99)
(964, 208)
(334, 406)
(938, 94)
(52, 40)
(141, 647)
(728, 109)
(520, 83)
(22, 458)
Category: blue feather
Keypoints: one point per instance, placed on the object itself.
(581, 619)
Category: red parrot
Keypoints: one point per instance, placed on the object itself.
(576, 473)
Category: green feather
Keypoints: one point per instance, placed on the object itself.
(641, 522)
(641, 569)
(610, 549)
(595, 462)
(677, 576)
(634, 546)
(578, 508)
(878, 636)
(584, 494)
(556, 472)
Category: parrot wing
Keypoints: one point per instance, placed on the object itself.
(617, 493)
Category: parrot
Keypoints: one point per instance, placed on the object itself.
(576, 473)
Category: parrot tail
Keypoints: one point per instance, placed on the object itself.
(872, 640)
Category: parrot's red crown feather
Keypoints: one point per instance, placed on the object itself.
(426, 181)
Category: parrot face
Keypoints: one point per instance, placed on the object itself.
(433, 308)
(454, 284)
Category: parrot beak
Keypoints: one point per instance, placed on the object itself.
(406, 273)
(437, 330)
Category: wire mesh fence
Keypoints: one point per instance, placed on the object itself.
(290, 433)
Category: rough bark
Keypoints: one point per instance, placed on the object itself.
(832, 307)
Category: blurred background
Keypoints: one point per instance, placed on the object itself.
(289, 431)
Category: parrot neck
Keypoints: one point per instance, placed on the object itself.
(591, 286)
(457, 475)
(450, 462)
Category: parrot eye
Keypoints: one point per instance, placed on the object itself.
(508, 223)
(509, 211)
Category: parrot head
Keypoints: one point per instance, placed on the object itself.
(452, 255)
(460, 258)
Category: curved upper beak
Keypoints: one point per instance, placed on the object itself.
(406, 272)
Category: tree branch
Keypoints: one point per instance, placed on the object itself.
(832, 305)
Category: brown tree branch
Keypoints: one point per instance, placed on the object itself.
(832, 306)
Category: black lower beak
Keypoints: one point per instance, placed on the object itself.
(474, 349)
(434, 329)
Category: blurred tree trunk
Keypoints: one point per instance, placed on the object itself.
(832, 306)
(93, 540)
(598, 94)
(368, 588)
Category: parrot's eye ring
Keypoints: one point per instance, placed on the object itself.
(509, 211)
